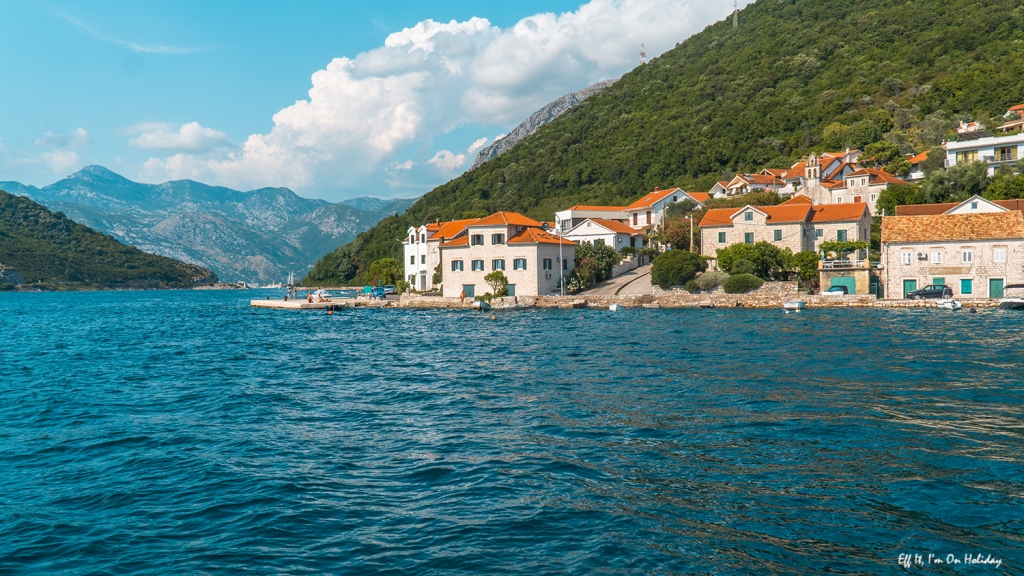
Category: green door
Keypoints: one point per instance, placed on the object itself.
(909, 286)
(995, 287)
(850, 283)
(469, 289)
(511, 289)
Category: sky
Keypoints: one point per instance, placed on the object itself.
(332, 99)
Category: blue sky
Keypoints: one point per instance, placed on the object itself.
(403, 93)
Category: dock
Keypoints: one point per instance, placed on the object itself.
(333, 305)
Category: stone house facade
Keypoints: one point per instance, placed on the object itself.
(975, 247)
(532, 258)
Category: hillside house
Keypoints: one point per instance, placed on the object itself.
(421, 250)
(614, 233)
(532, 258)
(566, 219)
(975, 247)
(993, 150)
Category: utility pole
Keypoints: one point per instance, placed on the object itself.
(691, 232)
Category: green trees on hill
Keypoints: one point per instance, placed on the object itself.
(46, 247)
(795, 77)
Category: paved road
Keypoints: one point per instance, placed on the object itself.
(631, 283)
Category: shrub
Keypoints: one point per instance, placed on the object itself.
(676, 268)
(603, 257)
(692, 287)
(742, 266)
(711, 280)
(498, 282)
(770, 261)
(742, 283)
(385, 271)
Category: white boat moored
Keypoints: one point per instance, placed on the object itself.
(950, 304)
(481, 305)
(1014, 302)
(614, 307)
(795, 305)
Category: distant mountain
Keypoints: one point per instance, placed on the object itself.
(37, 245)
(256, 236)
(537, 120)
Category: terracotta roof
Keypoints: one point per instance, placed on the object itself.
(616, 226)
(597, 208)
(947, 227)
(830, 184)
(918, 158)
(717, 217)
(1017, 108)
(452, 228)
(506, 219)
(460, 241)
(538, 236)
(876, 175)
(797, 169)
(764, 179)
(777, 172)
(701, 197)
(797, 199)
(782, 214)
(652, 198)
(839, 212)
(1010, 204)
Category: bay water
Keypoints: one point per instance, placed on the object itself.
(183, 432)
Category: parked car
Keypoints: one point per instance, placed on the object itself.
(931, 291)
(836, 291)
(390, 289)
(378, 292)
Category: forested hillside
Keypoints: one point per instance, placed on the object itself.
(795, 76)
(46, 247)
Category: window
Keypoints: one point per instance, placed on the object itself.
(411, 239)
(857, 199)
(635, 214)
(598, 242)
(939, 281)
(748, 237)
(936, 257)
(966, 286)
(1006, 153)
(648, 216)
(873, 196)
(423, 237)
(423, 259)
(864, 181)
(519, 264)
(497, 264)
(456, 265)
(478, 265)
(721, 237)
(974, 205)
(906, 257)
(412, 260)
(841, 235)
(839, 200)
(778, 235)
(819, 233)
(967, 256)
(748, 216)
(999, 255)
(547, 263)
(964, 157)
(476, 240)
(565, 264)
(497, 238)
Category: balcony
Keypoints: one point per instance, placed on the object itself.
(845, 264)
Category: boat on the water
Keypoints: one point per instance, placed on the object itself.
(950, 304)
(481, 305)
(614, 307)
(1013, 302)
(795, 305)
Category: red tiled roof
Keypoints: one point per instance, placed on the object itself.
(1017, 108)
(763, 179)
(538, 236)
(452, 228)
(782, 214)
(718, 217)
(777, 172)
(948, 227)
(925, 209)
(918, 158)
(652, 198)
(506, 219)
(701, 197)
(616, 226)
(582, 207)
(839, 212)
(876, 175)
(461, 241)
(797, 199)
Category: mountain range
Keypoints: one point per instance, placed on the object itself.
(255, 236)
(791, 77)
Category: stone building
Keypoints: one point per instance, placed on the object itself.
(532, 258)
(975, 247)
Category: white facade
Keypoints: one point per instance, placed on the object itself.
(993, 150)
(570, 217)
(421, 256)
(617, 235)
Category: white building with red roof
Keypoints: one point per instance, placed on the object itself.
(532, 258)
(614, 233)
(422, 253)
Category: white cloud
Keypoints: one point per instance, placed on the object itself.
(434, 78)
(60, 151)
(477, 145)
(407, 165)
(191, 137)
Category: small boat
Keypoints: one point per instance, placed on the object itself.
(481, 305)
(614, 307)
(795, 305)
(950, 304)
(1014, 302)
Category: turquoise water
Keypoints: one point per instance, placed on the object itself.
(183, 432)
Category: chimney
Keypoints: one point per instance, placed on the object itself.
(656, 188)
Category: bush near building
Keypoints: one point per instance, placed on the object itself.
(742, 283)
(676, 268)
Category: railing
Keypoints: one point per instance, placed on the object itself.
(842, 264)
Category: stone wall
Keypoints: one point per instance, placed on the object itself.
(625, 266)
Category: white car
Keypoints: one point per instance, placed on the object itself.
(836, 291)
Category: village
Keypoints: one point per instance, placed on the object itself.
(971, 250)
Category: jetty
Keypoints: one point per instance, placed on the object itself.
(337, 304)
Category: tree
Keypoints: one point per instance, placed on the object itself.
(1005, 186)
(385, 271)
(843, 247)
(498, 283)
(677, 233)
(956, 183)
(676, 268)
(770, 262)
(437, 278)
(899, 196)
(604, 259)
(880, 153)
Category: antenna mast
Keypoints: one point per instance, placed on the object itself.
(735, 14)
(643, 54)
